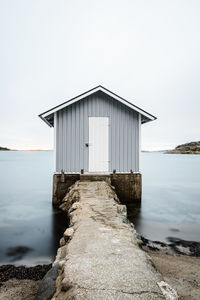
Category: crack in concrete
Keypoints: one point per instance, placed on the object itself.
(119, 291)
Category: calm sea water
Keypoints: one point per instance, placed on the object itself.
(30, 228)
(27, 218)
(171, 197)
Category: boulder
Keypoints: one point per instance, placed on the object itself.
(47, 287)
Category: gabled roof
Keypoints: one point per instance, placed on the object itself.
(48, 116)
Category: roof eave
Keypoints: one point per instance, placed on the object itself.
(92, 91)
(45, 120)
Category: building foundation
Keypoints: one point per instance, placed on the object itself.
(128, 186)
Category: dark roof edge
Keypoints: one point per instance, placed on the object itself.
(128, 102)
(70, 99)
(82, 95)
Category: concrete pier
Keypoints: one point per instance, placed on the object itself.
(99, 257)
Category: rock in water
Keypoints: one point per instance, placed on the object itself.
(48, 285)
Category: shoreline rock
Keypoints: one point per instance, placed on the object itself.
(182, 272)
(175, 246)
(4, 149)
(19, 289)
(187, 148)
(35, 273)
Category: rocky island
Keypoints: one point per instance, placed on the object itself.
(188, 148)
(4, 149)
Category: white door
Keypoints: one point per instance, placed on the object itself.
(98, 144)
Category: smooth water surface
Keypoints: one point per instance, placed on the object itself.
(171, 197)
(30, 229)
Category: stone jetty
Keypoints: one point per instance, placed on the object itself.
(99, 256)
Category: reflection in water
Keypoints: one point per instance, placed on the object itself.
(30, 228)
(133, 212)
(60, 221)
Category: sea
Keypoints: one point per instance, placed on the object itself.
(30, 228)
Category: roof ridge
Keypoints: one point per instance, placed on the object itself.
(44, 115)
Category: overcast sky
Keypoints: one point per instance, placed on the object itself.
(147, 51)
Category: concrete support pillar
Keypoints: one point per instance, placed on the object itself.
(61, 184)
(128, 186)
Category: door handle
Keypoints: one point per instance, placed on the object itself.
(86, 144)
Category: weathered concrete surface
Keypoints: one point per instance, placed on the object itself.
(61, 183)
(100, 257)
(128, 186)
(96, 177)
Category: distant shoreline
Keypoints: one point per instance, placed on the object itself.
(143, 151)
(6, 149)
(188, 148)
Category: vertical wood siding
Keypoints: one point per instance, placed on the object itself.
(72, 129)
